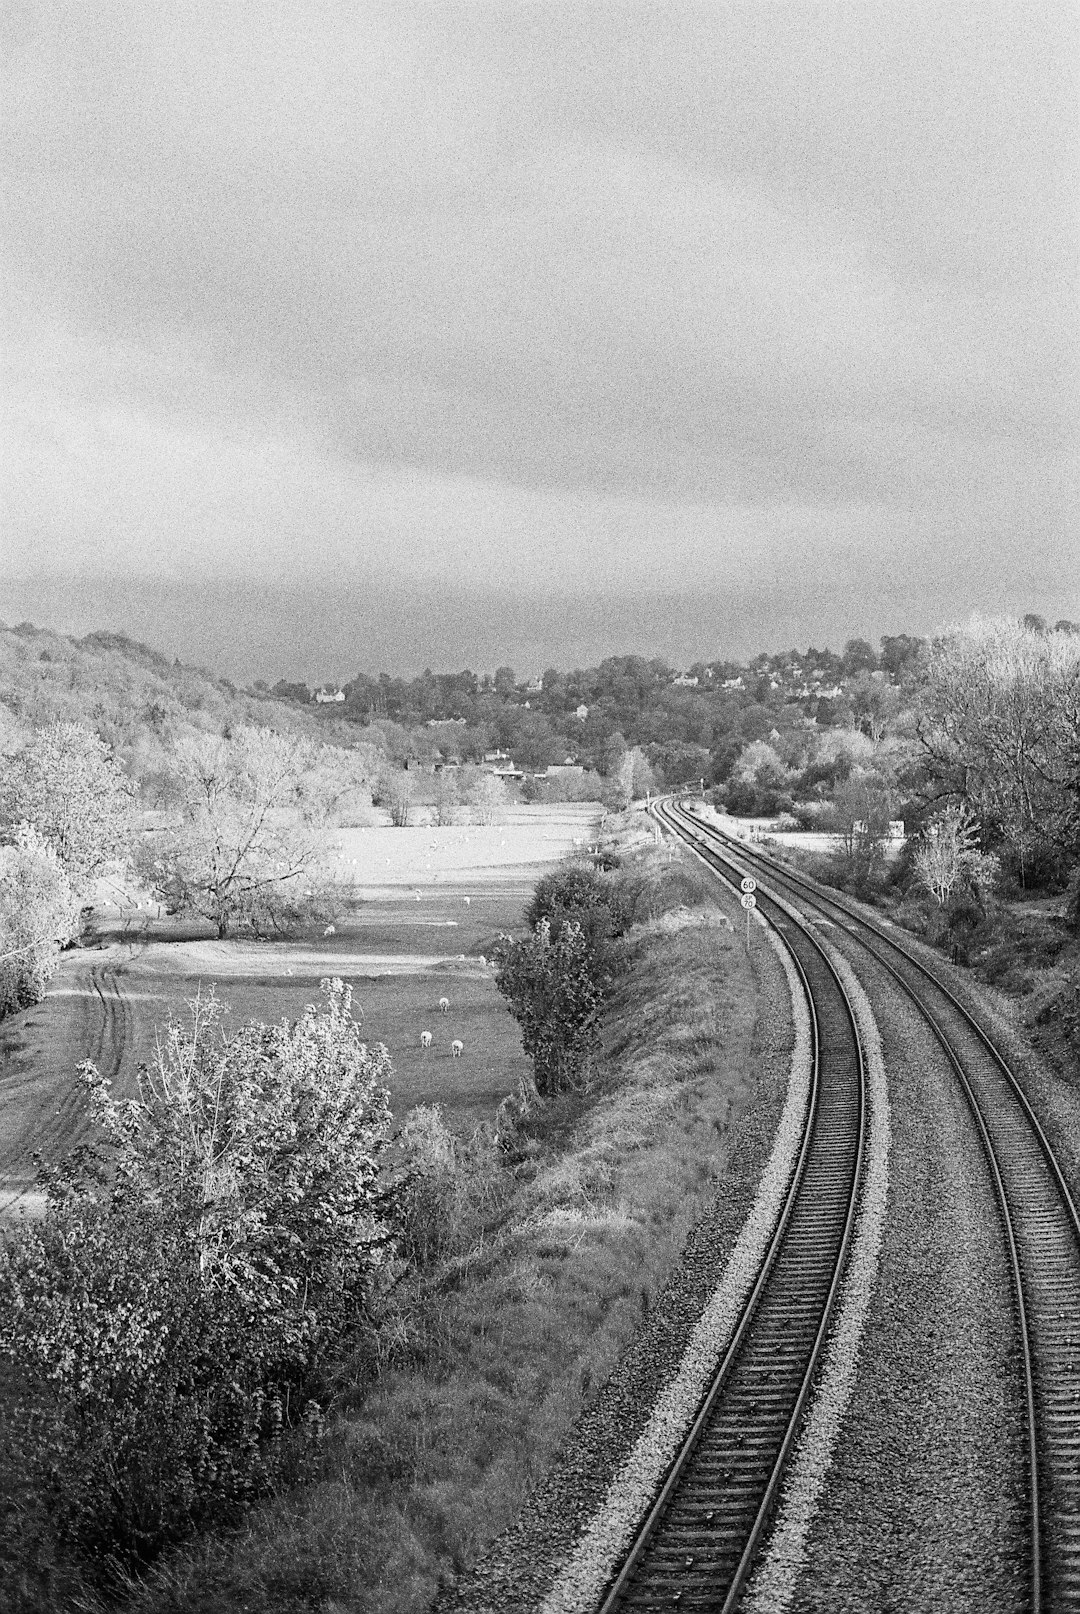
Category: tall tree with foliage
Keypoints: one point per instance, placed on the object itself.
(39, 913)
(63, 780)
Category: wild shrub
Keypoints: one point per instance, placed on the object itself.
(168, 1318)
(450, 1184)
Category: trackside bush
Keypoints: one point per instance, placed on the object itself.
(167, 1321)
(557, 978)
(555, 987)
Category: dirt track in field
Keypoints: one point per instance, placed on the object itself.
(86, 1015)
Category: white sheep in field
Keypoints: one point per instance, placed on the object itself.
(456, 1048)
(330, 930)
(468, 900)
(483, 962)
(444, 1005)
(425, 1040)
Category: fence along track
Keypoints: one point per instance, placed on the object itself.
(697, 1545)
(1041, 1224)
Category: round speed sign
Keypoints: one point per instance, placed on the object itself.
(748, 900)
(748, 883)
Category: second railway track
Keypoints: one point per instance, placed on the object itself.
(1038, 1215)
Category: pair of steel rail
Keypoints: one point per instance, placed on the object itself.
(698, 1545)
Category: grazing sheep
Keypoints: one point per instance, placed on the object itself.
(468, 900)
(456, 1048)
(483, 962)
(425, 1040)
(444, 1005)
(330, 931)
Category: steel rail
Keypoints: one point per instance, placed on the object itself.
(828, 898)
(678, 1472)
(689, 1445)
(855, 922)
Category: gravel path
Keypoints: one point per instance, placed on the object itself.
(519, 1569)
(923, 1506)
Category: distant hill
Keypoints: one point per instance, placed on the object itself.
(133, 697)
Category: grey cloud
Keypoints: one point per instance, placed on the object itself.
(818, 259)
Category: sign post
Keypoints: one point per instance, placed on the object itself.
(748, 901)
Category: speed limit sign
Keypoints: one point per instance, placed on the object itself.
(748, 883)
(748, 900)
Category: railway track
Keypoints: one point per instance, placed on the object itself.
(697, 1545)
(1038, 1215)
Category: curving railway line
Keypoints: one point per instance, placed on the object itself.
(1039, 1225)
(697, 1546)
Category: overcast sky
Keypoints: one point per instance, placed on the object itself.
(691, 328)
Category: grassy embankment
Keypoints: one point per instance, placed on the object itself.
(537, 1272)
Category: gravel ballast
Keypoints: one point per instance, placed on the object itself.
(923, 1507)
(772, 1588)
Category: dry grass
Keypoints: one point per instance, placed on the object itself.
(521, 1315)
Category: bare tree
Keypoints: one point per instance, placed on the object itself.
(487, 799)
(447, 799)
(395, 794)
(949, 859)
(253, 821)
(1000, 727)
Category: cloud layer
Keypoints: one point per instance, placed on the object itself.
(583, 297)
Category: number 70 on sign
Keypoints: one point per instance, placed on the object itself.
(748, 901)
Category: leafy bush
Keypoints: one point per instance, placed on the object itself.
(575, 888)
(169, 1317)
